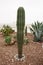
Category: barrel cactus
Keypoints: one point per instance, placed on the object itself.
(20, 30)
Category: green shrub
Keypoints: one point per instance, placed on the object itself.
(8, 39)
(37, 30)
(6, 30)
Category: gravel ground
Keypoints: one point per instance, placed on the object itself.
(33, 53)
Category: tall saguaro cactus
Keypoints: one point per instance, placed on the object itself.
(20, 30)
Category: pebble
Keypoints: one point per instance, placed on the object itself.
(12, 60)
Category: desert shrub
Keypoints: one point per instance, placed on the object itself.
(6, 30)
(37, 30)
(8, 39)
(26, 41)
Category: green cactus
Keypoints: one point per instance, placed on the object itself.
(20, 30)
(26, 31)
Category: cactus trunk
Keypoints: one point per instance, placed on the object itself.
(20, 30)
(20, 44)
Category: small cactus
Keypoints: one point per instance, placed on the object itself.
(26, 31)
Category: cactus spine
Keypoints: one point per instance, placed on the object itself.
(26, 31)
(20, 29)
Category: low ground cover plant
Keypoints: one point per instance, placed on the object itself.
(37, 31)
(26, 40)
(6, 30)
(8, 40)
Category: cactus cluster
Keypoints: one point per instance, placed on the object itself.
(20, 29)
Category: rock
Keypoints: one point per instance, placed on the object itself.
(12, 60)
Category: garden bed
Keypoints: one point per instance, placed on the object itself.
(33, 52)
